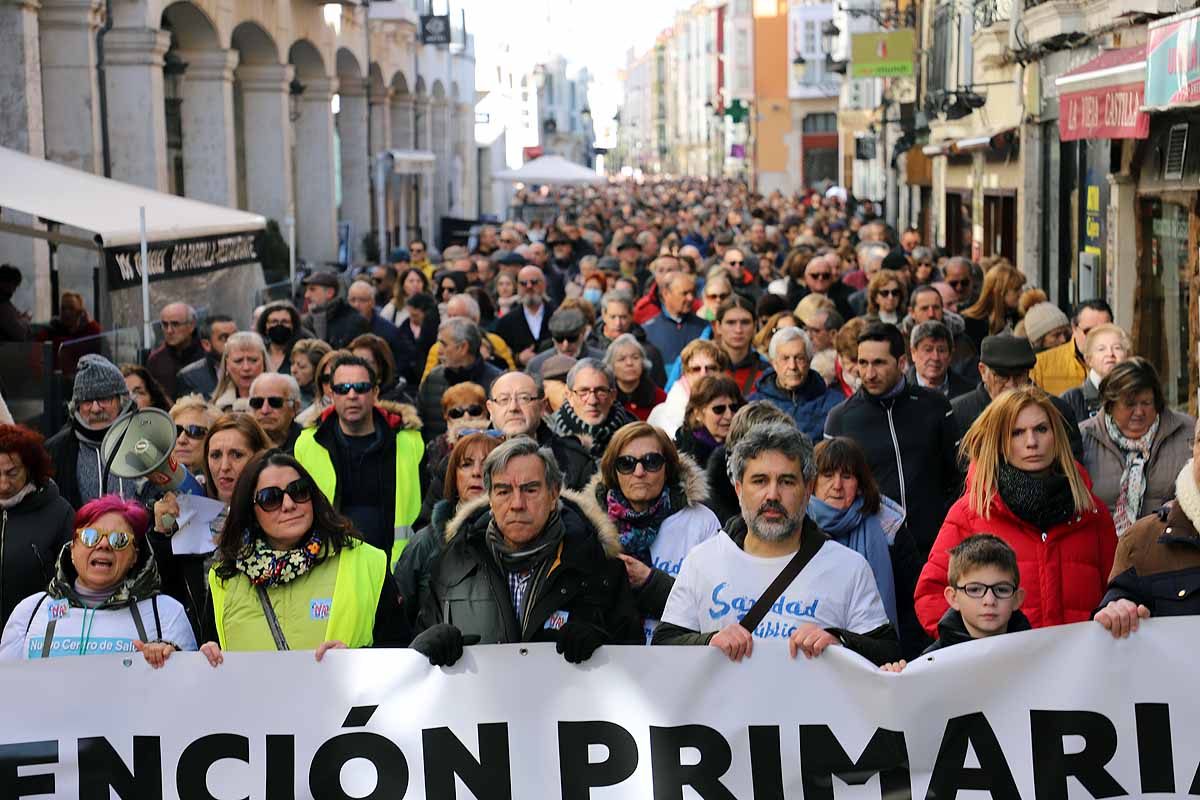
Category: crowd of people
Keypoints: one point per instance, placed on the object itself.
(676, 413)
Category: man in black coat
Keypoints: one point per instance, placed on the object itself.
(526, 328)
(517, 407)
(906, 432)
(459, 342)
(200, 377)
(330, 317)
(528, 562)
(1004, 363)
(821, 278)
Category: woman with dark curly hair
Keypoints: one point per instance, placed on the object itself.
(37, 521)
(292, 574)
(144, 389)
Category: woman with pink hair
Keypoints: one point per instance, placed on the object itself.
(104, 597)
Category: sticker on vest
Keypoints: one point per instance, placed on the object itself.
(319, 609)
(59, 609)
(556, 620)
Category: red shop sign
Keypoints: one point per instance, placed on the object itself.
(1112, 112)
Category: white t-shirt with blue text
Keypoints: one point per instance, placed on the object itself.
(719, 582)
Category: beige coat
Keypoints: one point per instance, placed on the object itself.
(1171, 449)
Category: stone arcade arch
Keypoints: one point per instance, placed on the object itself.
(262, 130)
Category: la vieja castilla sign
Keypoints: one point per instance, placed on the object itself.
(181, 257)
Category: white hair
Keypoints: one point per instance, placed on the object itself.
(785, 335)
(293, 388)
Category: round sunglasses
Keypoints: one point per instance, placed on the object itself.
(91, 537)
(271, 497)
(468, 411)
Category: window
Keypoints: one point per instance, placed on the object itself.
(820, 123)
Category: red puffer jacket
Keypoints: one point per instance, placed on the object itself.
(1064, 570)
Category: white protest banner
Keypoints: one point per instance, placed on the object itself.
(1053, 713)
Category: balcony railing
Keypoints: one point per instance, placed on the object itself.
(989, 12)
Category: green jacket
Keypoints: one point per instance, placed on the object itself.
(317, 450)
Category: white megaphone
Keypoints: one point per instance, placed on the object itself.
(141, 445)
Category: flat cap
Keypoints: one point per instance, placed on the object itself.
(1007, 352)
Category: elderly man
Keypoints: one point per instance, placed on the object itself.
(616, 315)
(180, 346)
(926, 304)
(459, 341)
(201, 376)
(570, 330)
(958, 278)
(366, 461)
(528, 562)
(98, 397)
(931, 345)
(275, 402)
(677, 325)
(517, 407)
(330, 317)
(361, 297)
(1064, 367)
(526, 329)
(821, 278)
(793, 387)
(1004, 363)
(591, 413)
(718, 596)
(466, 307)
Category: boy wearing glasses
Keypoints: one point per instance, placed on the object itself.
(984, 594)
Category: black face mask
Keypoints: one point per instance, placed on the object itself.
(280, 334)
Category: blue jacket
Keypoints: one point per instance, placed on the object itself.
(808, 405)
(670, 336)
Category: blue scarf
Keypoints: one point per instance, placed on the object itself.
(865, 536)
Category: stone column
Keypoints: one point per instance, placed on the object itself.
(70, 90)
(137, 127)
(316, 210)
(268, 139)
(379, 112)
(209, 158)
(422, 132)
(356, 165)
(440, 145)
(1122, 247)
(469, 190)
(21, 128)
(402, 122)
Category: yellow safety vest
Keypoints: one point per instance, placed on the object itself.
(409, 450)
(335, 601)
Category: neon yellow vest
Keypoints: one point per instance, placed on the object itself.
(409, 450)
(335, 601)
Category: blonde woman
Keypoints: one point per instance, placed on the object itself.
(244, 360)
(996, 308)
(1024, 486)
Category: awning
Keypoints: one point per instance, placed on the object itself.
(1102, 99)
(552, 170)
(108, 209)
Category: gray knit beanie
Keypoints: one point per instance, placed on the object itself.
(96, 378)
(1041, 319)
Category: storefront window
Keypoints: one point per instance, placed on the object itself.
(1163, 333)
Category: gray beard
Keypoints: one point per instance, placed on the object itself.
(532, 301)
(774, 531)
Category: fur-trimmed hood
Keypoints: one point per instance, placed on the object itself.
(690, 489)
(578, 504)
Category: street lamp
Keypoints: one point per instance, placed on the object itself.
(798, 68)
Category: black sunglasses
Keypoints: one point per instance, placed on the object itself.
(257, 402)
(271, 498)
(651, 462)
(563, 338)
(193, 431)
(889, 292)
(956, 284)
(459, 413)
(362, 387)
(723, 407)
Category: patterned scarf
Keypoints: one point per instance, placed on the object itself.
(1041, 501)
(594, 437)
(1133, 478)
(267, 567)
(638, 529)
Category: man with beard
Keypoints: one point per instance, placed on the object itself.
(98, 397)
(832, 600)
(527, 329)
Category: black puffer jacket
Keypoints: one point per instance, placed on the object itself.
(910, 443)
(31, 535)
(412, 569)
(337, 323)
(468, 589)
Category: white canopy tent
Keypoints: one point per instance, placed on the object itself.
(180, 237)
(551, 170)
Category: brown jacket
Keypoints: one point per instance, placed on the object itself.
(1158, 565)
(1171, 449)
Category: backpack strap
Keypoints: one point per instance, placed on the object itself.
(810, 542)
(272, 620)
(137, 620)
(157, 621)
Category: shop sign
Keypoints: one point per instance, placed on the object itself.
(180, 258)
(882, 54)
(1113, 112)
(1173, 61)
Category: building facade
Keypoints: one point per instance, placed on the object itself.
(281, 108)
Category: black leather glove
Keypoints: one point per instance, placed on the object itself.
(442, 644)
(578, 640)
